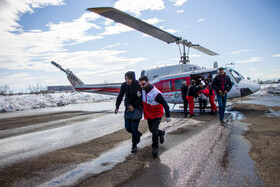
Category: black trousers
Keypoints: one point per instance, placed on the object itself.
(202, 102)
(186, 104)
(153, 127)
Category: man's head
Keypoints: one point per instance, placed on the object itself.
(200, 85)
(193, 82)
(129, 77)
(221, 71)
(144, 82)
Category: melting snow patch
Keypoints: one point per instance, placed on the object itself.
(25, 102)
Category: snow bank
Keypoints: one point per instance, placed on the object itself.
(25, 102)
(268, 90)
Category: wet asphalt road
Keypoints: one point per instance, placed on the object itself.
(202, 154)
(195, 153)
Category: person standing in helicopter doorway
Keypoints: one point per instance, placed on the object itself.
(133, 107)
(222, 85)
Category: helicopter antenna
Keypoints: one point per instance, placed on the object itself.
(137, 24)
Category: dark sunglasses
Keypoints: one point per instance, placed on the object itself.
(142, 84)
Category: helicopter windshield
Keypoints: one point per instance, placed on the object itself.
(237, 76)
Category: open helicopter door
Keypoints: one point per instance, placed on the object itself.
(202, 75)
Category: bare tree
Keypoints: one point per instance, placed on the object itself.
(34, 88)
(4, 89)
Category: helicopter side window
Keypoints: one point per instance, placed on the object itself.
(236, 75)
(166, 85)
(178, 83)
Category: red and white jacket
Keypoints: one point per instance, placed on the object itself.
(151, 108)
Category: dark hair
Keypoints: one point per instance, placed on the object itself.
(144, 78)
(193, 82)
(130, 75)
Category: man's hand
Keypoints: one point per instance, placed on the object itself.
(130, 108)
(220, 91)
(168, 119)
(225, 91)
(116, 110)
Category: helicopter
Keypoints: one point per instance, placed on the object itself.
(168, 79)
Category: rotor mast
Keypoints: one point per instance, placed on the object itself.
(185, 57)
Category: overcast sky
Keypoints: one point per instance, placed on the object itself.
(98, 50)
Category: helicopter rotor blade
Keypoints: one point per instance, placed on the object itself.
(137, 24)
(204, 50)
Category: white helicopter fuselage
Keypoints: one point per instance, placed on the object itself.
(168, 79)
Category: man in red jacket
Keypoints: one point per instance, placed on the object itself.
(153, 104)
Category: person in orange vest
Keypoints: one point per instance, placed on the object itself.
(190, 95)
(211, 97)
(153, 104)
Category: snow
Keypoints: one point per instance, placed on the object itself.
(26, 102)
(268, 90)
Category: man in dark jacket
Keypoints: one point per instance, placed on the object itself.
(184, 90)
(133, 107)
(153, 104)
(222, 85)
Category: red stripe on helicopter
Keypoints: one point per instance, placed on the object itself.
(102, 89)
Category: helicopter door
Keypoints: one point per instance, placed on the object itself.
(201, 77)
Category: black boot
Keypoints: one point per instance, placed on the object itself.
(134, 149)
(155, 152)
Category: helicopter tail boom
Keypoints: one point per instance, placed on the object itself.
(73, 79)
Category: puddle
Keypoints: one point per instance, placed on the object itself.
(233, 116)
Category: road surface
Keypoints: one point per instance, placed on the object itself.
(86, 144)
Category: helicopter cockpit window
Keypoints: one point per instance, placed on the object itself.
(236, 75)
(166, 85)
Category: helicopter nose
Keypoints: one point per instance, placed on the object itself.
(248, 88)
(254, 87)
